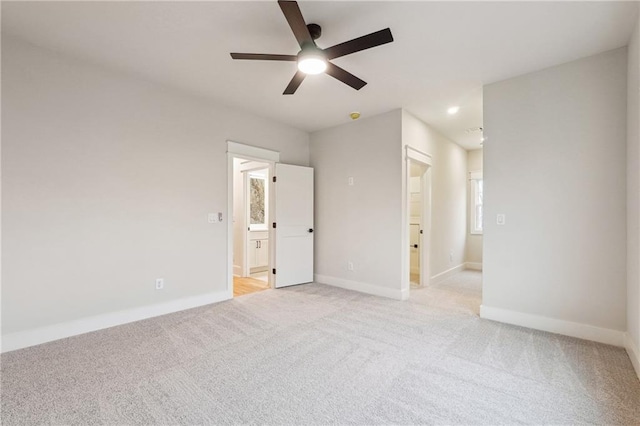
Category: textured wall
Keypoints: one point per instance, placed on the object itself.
(359, 223)
(554, 163)
(106, 182)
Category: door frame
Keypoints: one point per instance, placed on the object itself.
(252, 153)
(413, 155)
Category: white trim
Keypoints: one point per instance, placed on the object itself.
(251, 152)
(553, 325)
(417, 155)
(474, 266)
(361, 287)
(237, 270)
(438, 278)
(475, 175)
(36, 336)
(633, 351)
(404, 294)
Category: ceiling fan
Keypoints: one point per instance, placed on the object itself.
(313, 60)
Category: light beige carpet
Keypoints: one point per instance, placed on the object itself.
(315, 354)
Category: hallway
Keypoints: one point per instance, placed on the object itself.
(459, 293)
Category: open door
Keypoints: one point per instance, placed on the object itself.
(294, 225)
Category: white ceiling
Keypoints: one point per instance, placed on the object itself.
(442, 54)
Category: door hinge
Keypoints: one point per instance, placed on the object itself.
(274, 225)
(274, 271)
(274, 179)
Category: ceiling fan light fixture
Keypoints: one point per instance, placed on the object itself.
(312, 62)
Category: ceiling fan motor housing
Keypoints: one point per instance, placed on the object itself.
(315, 30)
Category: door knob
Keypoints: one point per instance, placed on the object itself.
(310, 230)
(415, 246)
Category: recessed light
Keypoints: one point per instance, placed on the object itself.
(354, 115)
(453, 110)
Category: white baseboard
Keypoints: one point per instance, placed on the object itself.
(404, 294)
(552, 325)
(474, 266)
(23, 339)
(633, 351)
(446, 274)
(392, 293)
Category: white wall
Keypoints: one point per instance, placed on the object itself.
(554, 163)
(364, 223)
(359, 223)
(107, 181)
(474, 241)
(448, 193)
(633, 198)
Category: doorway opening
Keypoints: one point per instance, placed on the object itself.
(283, 199)
(251, 216)
(416, 198)
(417, 221)
(475, 191)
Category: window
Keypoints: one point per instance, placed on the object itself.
(475, 198)
(257, 202)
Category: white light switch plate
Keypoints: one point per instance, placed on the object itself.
(212, 218)
(501, 219)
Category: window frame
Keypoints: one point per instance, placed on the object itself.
(476, 182)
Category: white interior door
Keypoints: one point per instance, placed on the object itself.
(294, 225)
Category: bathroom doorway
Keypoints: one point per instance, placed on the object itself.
(250, 226)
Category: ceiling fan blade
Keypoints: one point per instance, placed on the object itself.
(345, 76)
(296, 22)
(264, 57)
(361, 43)
(294, 83)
